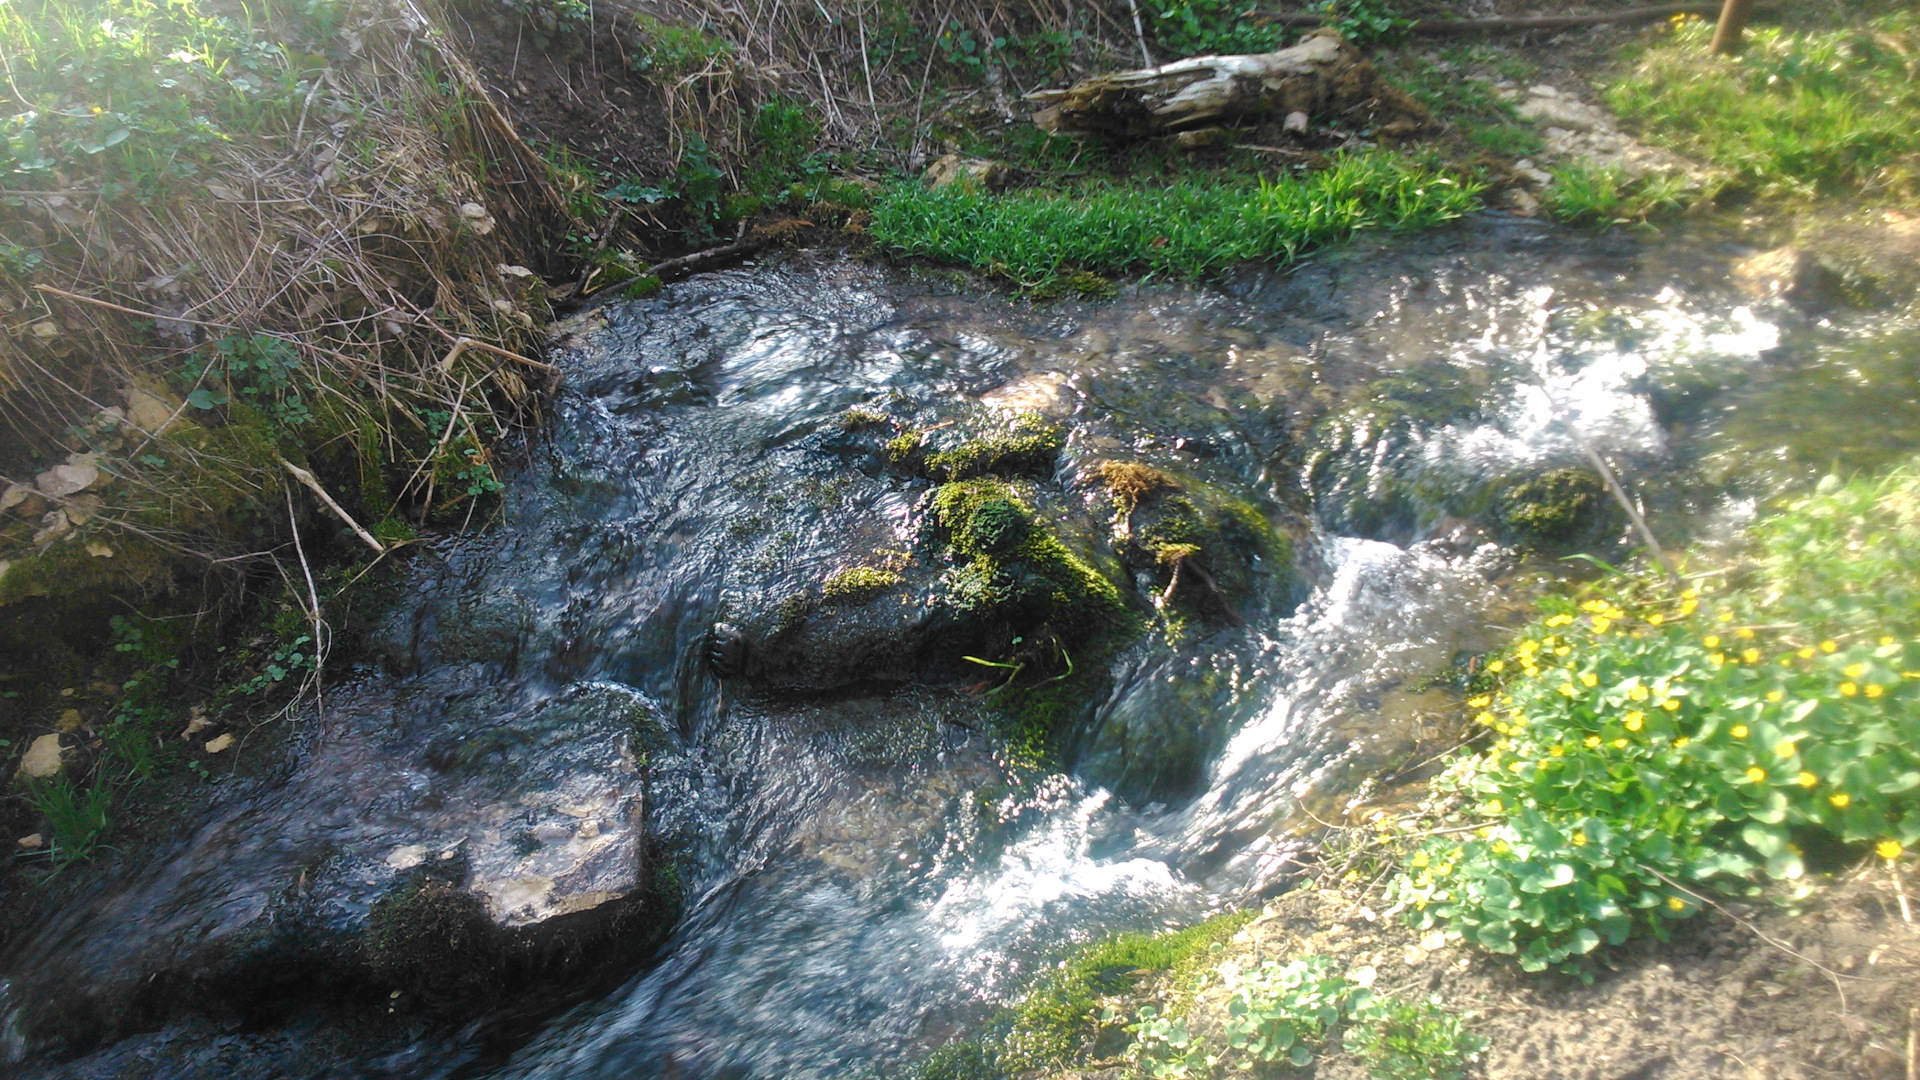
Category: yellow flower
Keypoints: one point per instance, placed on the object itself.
(1480, 702)
(1725, 616)
(1589, 679)
(1688, 607)
(1594, 607)
(1840, 799)
(1744, 633)
(1854, 671)
(1718, 659)
(1886, 639)
(1829, 645)
(1676, 903)
(1560, 620)
(1420, 859)
(1500, 847)
(1494, 806)
(1593, 742)
(1619, 744)
(1848, 689)
(1497, 666)
(1876, 690)
(1776, 695)
(1750, 656)
(1783, 751)
(1637, 692)
(1681, 742)
(1563, 650)
(1557, 750)
(1569, 690)
(1484, 718)
(1527, 648)
(1756, 774)
(1887, 849)
(1711, 641)
(1806, 779)
(1580, 840)
(1670, 704)
(1738, 731)
(1690, 593)
(1635, 719)
(1806, 653)
(1601, 624)
(1656, 619)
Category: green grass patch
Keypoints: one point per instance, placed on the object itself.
(1060, 1018)
(1583, 193)
(1188, 229)
(1796, 112)
(1654, 747)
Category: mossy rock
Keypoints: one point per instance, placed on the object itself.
(1225, 550)
(990, 580)
(433, 940)
(1556, 510)
(1006, 570)
(1028, 445)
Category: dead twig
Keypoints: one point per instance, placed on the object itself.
(313, 485)
(1704, 901)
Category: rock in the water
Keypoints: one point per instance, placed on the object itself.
(1323, 74)
(954, 170)
(449, 841)
(1788, 273)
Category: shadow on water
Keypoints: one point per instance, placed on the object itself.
(866, 871)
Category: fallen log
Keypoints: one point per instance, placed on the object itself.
(1323, 75)
(674, 269)
(1524, 23)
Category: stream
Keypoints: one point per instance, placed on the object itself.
(867, 872)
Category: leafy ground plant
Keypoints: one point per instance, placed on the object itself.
(1288, 1013)
(1795, 112)
(1189, 229)
(77, 817)
(1654, 747)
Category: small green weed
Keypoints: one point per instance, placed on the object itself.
(1795, 112)
(1287, 1013)
(1183, 28)
(78, 818)
(1187, 229)
(671, 51)
(1365, 22)
(1414, 1040)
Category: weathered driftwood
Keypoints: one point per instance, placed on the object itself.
(1323, 76)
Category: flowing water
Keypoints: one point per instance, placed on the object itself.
(866, 874)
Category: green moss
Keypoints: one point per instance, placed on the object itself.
(1555, 509)
(859, 419)
(433, 940)
(858, 584)
(901, 449)
(1029, 447)
(1011, 570)
(1057, 1023)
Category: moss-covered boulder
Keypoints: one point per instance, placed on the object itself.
(1200, 549)
(988, 581)
(1557, 510)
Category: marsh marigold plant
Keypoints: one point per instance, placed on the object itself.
(1653, 748)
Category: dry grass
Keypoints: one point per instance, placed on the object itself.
(361, 237)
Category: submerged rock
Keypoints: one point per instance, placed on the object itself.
(1788, 273)
(448, 843)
